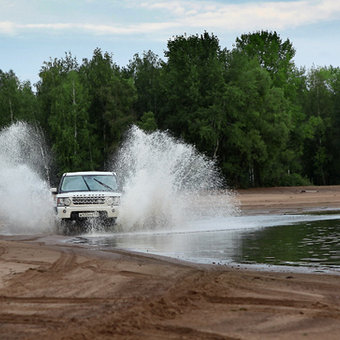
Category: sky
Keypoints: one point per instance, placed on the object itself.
(33, 31)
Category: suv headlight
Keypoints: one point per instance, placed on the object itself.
(113, 200)
(66, 201)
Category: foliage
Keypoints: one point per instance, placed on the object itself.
(17, 101)
(66, 101)
(146, 72)
(193, 79)
(148, 122)
(264, 121)
(111, 99)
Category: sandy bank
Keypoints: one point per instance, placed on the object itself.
(289, 199)
(67, 292)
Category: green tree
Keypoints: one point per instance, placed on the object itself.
(321, 133)
(258, 124)
(146, 74)
(193, 83)
(65, 101)
(51, 76)
(69, 126)
(111, 101)
(273, 54)
(283, 105)
(17, 101)
(264, 121)
(335, 132)
(148, 122)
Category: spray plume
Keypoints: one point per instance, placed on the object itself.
(166, 182)
(26, 203)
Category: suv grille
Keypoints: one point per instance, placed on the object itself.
(78, 200)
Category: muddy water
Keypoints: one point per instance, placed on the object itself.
(286, 240)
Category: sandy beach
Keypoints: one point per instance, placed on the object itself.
(50, 290)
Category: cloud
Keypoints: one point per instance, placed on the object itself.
(248, 15)
(13, 29)
(7, 27)
(184, 15)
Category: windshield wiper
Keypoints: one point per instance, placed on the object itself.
(86, 183)
(103, 184)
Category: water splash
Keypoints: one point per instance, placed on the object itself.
(167, 182)
(26, 202)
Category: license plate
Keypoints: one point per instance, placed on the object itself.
(89, 214)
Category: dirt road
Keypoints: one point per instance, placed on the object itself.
(67, 292)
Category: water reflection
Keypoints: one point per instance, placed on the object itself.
(305, 244)
(308, 243)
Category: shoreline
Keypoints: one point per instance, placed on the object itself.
(289, 199)
(63, 291)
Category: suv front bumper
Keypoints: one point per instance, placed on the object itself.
(79, 212)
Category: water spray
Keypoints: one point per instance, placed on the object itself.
(26, 202)
(166, 182)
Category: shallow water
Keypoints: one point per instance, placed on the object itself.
(285, 240)
(173, 205)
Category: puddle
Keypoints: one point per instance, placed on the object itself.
(277, 240)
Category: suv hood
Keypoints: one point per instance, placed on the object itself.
(89, 193)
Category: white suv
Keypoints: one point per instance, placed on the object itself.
(88, 194)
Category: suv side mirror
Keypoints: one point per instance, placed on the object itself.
(54, 191)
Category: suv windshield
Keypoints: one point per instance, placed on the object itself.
(89, 183)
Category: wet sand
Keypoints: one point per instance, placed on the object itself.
(60, 291)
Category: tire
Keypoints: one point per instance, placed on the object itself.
(71, 227)
(109, 224)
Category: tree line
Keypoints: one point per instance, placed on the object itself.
(264, 120)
